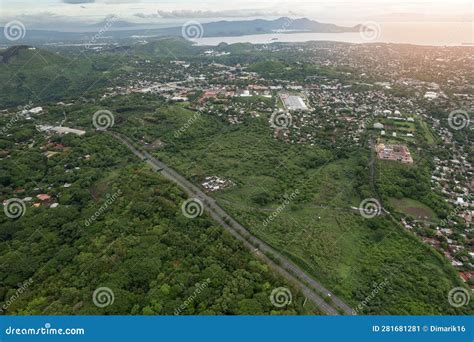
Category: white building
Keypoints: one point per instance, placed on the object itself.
(61, 130)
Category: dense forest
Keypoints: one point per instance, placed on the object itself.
(119, 226)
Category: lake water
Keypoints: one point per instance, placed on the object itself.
(419, 33)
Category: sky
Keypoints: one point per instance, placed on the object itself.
(58, 13)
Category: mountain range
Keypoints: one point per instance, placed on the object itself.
(125, 30)
(260, 26)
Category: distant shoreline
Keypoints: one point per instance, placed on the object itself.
(423, 33)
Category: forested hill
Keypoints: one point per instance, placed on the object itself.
(37, 75)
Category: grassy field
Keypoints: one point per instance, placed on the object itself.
(413, 208)
(403, 126)
(315, 224)
(427, 132)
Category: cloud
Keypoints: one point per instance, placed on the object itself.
(107, 2)
(218, 14)
(75, 2)
(210, 14)
(112, 2)
(56, 22)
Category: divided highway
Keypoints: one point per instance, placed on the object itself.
(312, 289)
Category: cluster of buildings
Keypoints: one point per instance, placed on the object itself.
(60, 130)
(48, 195)
(452, 244)
(322, 107)
(293, 102)
(453, 174)
(399, 153)
(40, 200)
(214, 183)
